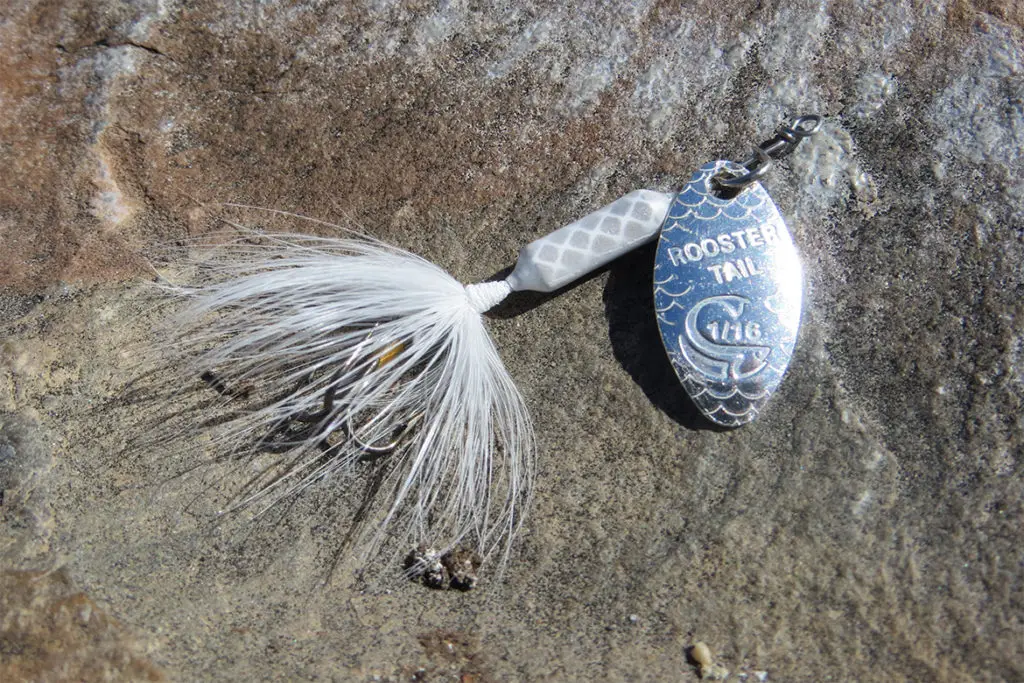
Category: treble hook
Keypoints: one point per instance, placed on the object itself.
(372, 451)
(785, 141)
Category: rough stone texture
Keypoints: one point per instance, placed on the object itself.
(51, 632)
(868, 527)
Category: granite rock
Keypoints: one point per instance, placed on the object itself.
(867, 527)
(51, 632)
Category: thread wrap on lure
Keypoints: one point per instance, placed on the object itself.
(484, 296)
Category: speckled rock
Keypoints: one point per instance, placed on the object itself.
(868, 527)
(51, 632)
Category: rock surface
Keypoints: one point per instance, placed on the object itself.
(867, 527)
(51, 632)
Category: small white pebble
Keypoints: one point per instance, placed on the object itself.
(633, 618)
(761, 675)
(702, 654)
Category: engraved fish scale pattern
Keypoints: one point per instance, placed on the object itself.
(622, 225)
(748, 206)
(697, 214)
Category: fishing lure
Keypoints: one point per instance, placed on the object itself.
(343, 350)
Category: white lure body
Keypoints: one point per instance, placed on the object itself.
(566, 255)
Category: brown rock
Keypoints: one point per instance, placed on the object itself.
(51, 632)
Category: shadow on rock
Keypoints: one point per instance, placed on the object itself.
(636, 341)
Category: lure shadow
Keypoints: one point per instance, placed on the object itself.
(170, 411)
(518, 303)
(636, 340)
(633, 329)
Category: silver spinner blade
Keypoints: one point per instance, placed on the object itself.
(728, 294)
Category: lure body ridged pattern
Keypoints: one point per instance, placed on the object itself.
(568, 253)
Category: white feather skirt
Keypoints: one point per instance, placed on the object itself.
(342, 351)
